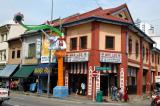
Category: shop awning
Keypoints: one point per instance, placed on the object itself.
(24, 71)
(42, 69)
(8, 70)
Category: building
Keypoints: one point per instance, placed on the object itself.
(145, 27)
(4, 30)
(107, 38)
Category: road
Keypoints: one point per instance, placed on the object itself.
(27, 100)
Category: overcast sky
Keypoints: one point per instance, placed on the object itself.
(39, 11)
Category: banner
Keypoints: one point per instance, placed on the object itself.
(45, 51)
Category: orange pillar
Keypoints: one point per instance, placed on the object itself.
(60, 71)
(60, 54)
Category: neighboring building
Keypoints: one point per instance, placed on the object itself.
(4, 30)
(145, 27)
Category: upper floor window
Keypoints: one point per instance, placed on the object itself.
(3, 55)
(3, 37)
(147, 54)
(137, 49)
(83, 42)
(13, 54)
(158, 59)
(32, 50)
(143, 52)
(18, 53)
(109, 42)
(152, 57)
(130, 46)
(73, 43)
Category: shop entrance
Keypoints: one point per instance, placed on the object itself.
(75, 81)
(105, 84)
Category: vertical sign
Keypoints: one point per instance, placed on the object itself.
(98, 82)
(90, 81)
(122, 80)
(38, 48)
(66, 78)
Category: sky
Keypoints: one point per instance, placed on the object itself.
(39, 11)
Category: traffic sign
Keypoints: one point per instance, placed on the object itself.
(94, 74)
(103, 68)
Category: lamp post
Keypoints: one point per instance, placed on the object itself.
(49, 57)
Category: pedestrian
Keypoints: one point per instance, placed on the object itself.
(125, 97)
(114, 93)
(83, 86)
(120, 94)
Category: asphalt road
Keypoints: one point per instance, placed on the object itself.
(26, 100)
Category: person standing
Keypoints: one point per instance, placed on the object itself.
(83, 86)
(114, 91)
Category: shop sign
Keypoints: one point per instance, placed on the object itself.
(38, 48)
(110, 57)
(39, 71)
(77, 57)
(157, 79)
(98, 82)
(66, 78)
(45, 59)
(90, 81)
(122, 79)
(102, 68)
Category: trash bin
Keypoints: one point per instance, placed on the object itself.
(99, 96)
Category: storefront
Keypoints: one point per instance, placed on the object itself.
(132, 80)
(41, 73)
(76, 71)
(110, 77)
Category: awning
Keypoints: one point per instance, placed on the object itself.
(24, 71)
(8, 70)
(42, 69)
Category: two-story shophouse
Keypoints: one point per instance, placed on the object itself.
(4, 30)
(107, 38)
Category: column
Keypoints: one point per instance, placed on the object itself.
(140, 71)
(148, 78)
(93, 56)
(122, 72)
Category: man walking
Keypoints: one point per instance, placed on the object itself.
(83, 88)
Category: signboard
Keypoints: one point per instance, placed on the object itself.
(45, 51)
(98, 82)
(157, 79)
(122, 79)
(38, 48)
(90, 81)
(94, 74)
(77, 57)
(66, 78)
(103, 68)
(110, 57)
(39, 71)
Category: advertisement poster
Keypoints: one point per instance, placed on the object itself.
(90, 81)
(45, 51)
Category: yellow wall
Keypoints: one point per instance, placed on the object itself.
(110, 30)
(78, 31)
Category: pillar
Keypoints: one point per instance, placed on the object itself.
(148, 77)
(140, 71)
(123, 66)
(94, 59)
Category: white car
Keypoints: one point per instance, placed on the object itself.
(4, 95)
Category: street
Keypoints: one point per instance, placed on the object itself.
(27, 100)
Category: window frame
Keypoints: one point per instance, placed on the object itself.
(82, 43)
(130, 46)
(19, 53)
(71, 47)
(13, 55)
(113, 48)
(30, 55)
(137, 49)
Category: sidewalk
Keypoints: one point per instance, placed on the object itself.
(86, 100)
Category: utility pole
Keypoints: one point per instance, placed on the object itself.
(49, 57)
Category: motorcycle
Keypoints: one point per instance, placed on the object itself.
(155, 99)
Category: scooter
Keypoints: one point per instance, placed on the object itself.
(155, 99)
